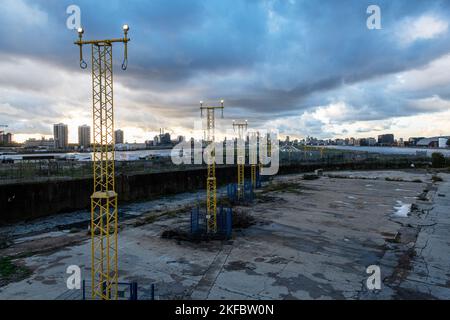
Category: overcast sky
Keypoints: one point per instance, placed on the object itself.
(306, 67)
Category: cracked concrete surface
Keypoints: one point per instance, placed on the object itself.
(428, 275)
(312, 240)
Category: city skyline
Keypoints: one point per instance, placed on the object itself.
(165, 138)
(198, 135)
(306, 70)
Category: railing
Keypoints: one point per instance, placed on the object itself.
(126, 291)
(59, 169)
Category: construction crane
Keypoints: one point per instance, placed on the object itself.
(240, 128)
(104, 264)
(211, 198)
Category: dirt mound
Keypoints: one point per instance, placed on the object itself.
(242, 219)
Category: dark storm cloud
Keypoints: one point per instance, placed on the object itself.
(267, 58)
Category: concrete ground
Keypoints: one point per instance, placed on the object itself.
(313, 239)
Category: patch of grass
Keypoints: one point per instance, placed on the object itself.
(10, 272)
(340, 176)
(242, 219)
(310, 177)
(436, 178)
(438, 160)
(152, 218)
(4, 243)
(394, 179)
(176, 212)
(7, 268)
(283, 186)
(224, 202)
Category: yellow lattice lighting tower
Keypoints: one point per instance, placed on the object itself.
(260, 165)
(253, 159)
(211, 198)
(240, 127)
(104, 264)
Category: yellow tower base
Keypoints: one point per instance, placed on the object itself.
(104, 245)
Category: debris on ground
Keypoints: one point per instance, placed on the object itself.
(242, 219)
(182, 235)
(310, 176)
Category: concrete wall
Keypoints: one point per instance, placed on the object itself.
(23, 201)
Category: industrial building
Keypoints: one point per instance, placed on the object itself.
(39, 143)
(435, 142)
(162, 139)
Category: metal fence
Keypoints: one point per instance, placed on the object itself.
(50, 169)
(54, 169)
(224, 221)
(330, 157)
(247, 195)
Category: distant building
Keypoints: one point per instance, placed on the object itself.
(156, 141)
(443, 142)
(361, 142)
(311, 141)
(435, 142)
(386, 139)
(84, 136)
(61, 136)
(6, 138)
(413, 141)
(352, 142)
(371, 142)
(165, 139)
(39, 144)
(118, 136)
(162, 138)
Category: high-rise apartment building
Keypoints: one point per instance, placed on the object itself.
(61, 136)
(118, 136)
(84, 136)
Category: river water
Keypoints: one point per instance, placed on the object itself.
(393, 150)
(135, 155)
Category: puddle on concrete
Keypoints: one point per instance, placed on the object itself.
(402, 209)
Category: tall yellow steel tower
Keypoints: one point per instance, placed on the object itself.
(253, 159)
(104, 273)
(211, 199)
(240, 127)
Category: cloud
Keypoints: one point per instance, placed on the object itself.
(431, 104)
(22, 14)
(290, 63)
(425, 27)
(431, 76)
